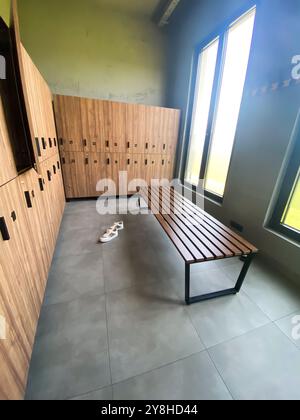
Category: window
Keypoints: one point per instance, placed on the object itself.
(221, 75)
(286, 216)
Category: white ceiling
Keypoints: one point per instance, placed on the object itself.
(136, 7)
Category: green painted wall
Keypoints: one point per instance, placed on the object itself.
(83, 49)
(5, 10)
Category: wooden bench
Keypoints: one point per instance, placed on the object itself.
(198, 236)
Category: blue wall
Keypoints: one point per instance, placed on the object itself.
(266, 119)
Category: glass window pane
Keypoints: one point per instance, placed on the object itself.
(291, 216)
(231, 92)
(206, 74)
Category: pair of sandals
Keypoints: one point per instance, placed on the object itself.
(112, 233)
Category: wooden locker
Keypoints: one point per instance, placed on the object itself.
(174, 131)
(136, 175)
(114, 164)
(7, 165)
(95, 172)
(20, 290)
(135, 128)
(115, 116)
(15, 350)
(78, 174)
(91, 127)
(71, 134)
(152, 167)
(153, 130)
(33, 202)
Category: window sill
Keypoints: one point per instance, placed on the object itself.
(211, 200)
(281, 236)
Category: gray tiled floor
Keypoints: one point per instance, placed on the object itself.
(114, 324)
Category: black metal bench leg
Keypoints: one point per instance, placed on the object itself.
(190, 300)
(244, 272)
(187, 283)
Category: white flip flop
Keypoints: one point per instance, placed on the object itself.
(118, 226)
(110, 235)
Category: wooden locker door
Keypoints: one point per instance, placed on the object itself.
(32, 94)
(66, 172)
(78, 174)
(33, 202)
(18, 291)
(95, 173)
(154, 168)
(174, 131)
(166, 117)
(8, 169)
(60, 120)
(135, 128)
(14, 350)
(116, 127)
(91, 135)
(102, 126)
(157, 142)
(17, 261)
(72, 121)
(153, 119)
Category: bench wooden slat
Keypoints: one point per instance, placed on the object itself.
(198, 256)
(217, 228)
(184, 252)
(206, 247)
(181, 222)
(217, 249)
(230, 232)
(197, 236)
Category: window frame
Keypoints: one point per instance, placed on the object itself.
(222, 34)
(285, 192)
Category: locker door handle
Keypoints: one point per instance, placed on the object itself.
(4, 229)
(55, 144)
(163, 162)
(50, 143)
(44, 143)
(147, 145)
(63, 160)
(128, 161)
(28, 199)
(84, 142)
(41, 183)
(86, 161)
(107, 144)
(61, 142)
(146, 162)
(164, 147)
(54, 169)
(38, 148)
(49, 175)
(108, 161)
(58, 165)
(128, 145)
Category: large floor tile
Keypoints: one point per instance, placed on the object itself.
(75, 276)
(222, 319)
(148, 328)
(271, 291)
(125, 265)
(84, 220)
(104, 394)
(77, 242)
(290, 325)
(70, 355)
(261, 365)
(194, 378)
